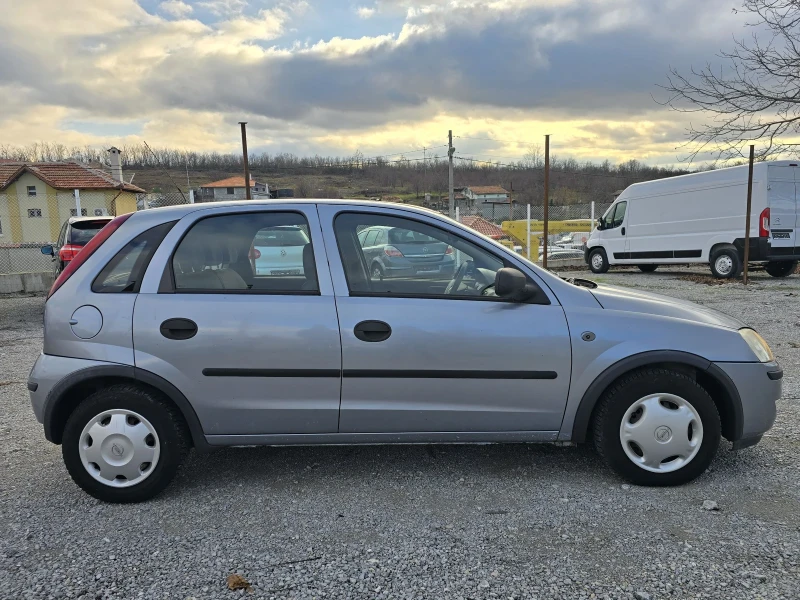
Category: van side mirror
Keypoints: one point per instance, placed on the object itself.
(47, 250)
(512, 284)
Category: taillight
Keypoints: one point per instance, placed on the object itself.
(763, 223)
(68, 252)
(87, 251)
(392, 252)
(449, 250)
(255, 253)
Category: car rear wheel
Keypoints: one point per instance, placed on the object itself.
(781, 268)
(657, 427)
(598, 261)
(647, 268)
(725, 263)
(377, 272)
(124, 444)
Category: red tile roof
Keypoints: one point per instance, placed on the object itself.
(63, 176)
(487, 189)
(233, 182)
(483, 226)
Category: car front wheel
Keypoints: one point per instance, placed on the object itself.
(124, 444)
(598, 262)
(657, 427)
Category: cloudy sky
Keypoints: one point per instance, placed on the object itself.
(331, 77)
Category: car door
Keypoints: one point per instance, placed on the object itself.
(782, 199)
(253, 353)
(422, 354)
(614, 232)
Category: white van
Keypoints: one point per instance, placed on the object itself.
(700, 218)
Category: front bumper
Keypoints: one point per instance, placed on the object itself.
(760, 386)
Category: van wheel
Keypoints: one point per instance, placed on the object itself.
(598, 261)
(781, 268)
(725, 263)
(647, 268)
(124, 444)
(657, 427)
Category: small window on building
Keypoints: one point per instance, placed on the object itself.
(229, 191)
(1, 227)
(34, 212)
(73, 212)
(32, 191)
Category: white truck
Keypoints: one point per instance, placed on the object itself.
(700, 218)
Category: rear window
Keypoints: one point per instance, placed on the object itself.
(406, 236)
(82, 231)
(124, 273)
(280, 236)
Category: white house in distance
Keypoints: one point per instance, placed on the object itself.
(486, 199)
(232, 188)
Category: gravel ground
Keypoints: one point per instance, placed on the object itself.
(508, 521)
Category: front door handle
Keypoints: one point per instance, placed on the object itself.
(178, 329)
(372, 331)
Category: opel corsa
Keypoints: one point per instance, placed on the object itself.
(163, 334)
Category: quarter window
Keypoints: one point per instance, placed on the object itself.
(415, 259)
(260, 253)
(124, 273)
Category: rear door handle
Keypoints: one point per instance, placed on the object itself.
(178, 329)
(623, 231)
(372, 331)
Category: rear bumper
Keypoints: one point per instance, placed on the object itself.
(47, 371)
(759, 387)
(761, 250)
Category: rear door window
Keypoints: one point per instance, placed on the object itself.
(83, 231)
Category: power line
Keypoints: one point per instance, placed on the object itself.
(465, 137)
(553, 170)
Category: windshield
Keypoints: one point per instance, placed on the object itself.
(83, 231)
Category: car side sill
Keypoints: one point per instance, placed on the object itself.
(433, 437)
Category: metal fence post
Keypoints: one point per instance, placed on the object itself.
(77, 202)
(592, 228)
(191, 196)
(528, 219)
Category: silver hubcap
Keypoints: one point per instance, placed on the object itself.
(597, 260)
(376, 273)
(724, 264)
(661, 433)
(119, 448)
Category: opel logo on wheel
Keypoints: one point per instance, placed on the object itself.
(283, 252)
(663, 434)
(117, 450)
(424, 249)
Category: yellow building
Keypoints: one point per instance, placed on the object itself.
(36, 198)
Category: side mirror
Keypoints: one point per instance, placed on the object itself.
(48, 250)
(600, 224)
(512, 284)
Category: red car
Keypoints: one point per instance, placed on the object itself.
(75, 234)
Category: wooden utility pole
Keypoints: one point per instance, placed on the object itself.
(546, 196)
(451, 196)
(747, 218)
(246, 160)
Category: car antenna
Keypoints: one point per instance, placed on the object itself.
(165, 171)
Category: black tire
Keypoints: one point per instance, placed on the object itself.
(598, 265)
(647, 268)
(781, 268)
(376, 272)
(166, 419)
(725, 263)
(636, 385)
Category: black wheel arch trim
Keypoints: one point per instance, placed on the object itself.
(59, 391)
(591, 396)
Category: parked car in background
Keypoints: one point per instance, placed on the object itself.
(397, 252)
(74, 235)
(161, 336)
(279, 251)
(699, 218)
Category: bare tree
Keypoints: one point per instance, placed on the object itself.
(755, 96)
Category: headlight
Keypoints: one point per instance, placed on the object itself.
(758, 345)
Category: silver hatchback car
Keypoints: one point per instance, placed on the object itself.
(161, 336)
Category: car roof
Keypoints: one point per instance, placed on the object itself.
(181, 210)
(72, 220)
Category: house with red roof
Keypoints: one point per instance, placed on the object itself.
(36, 198)
(232, 188)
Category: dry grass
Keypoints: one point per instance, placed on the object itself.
(707, 279)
